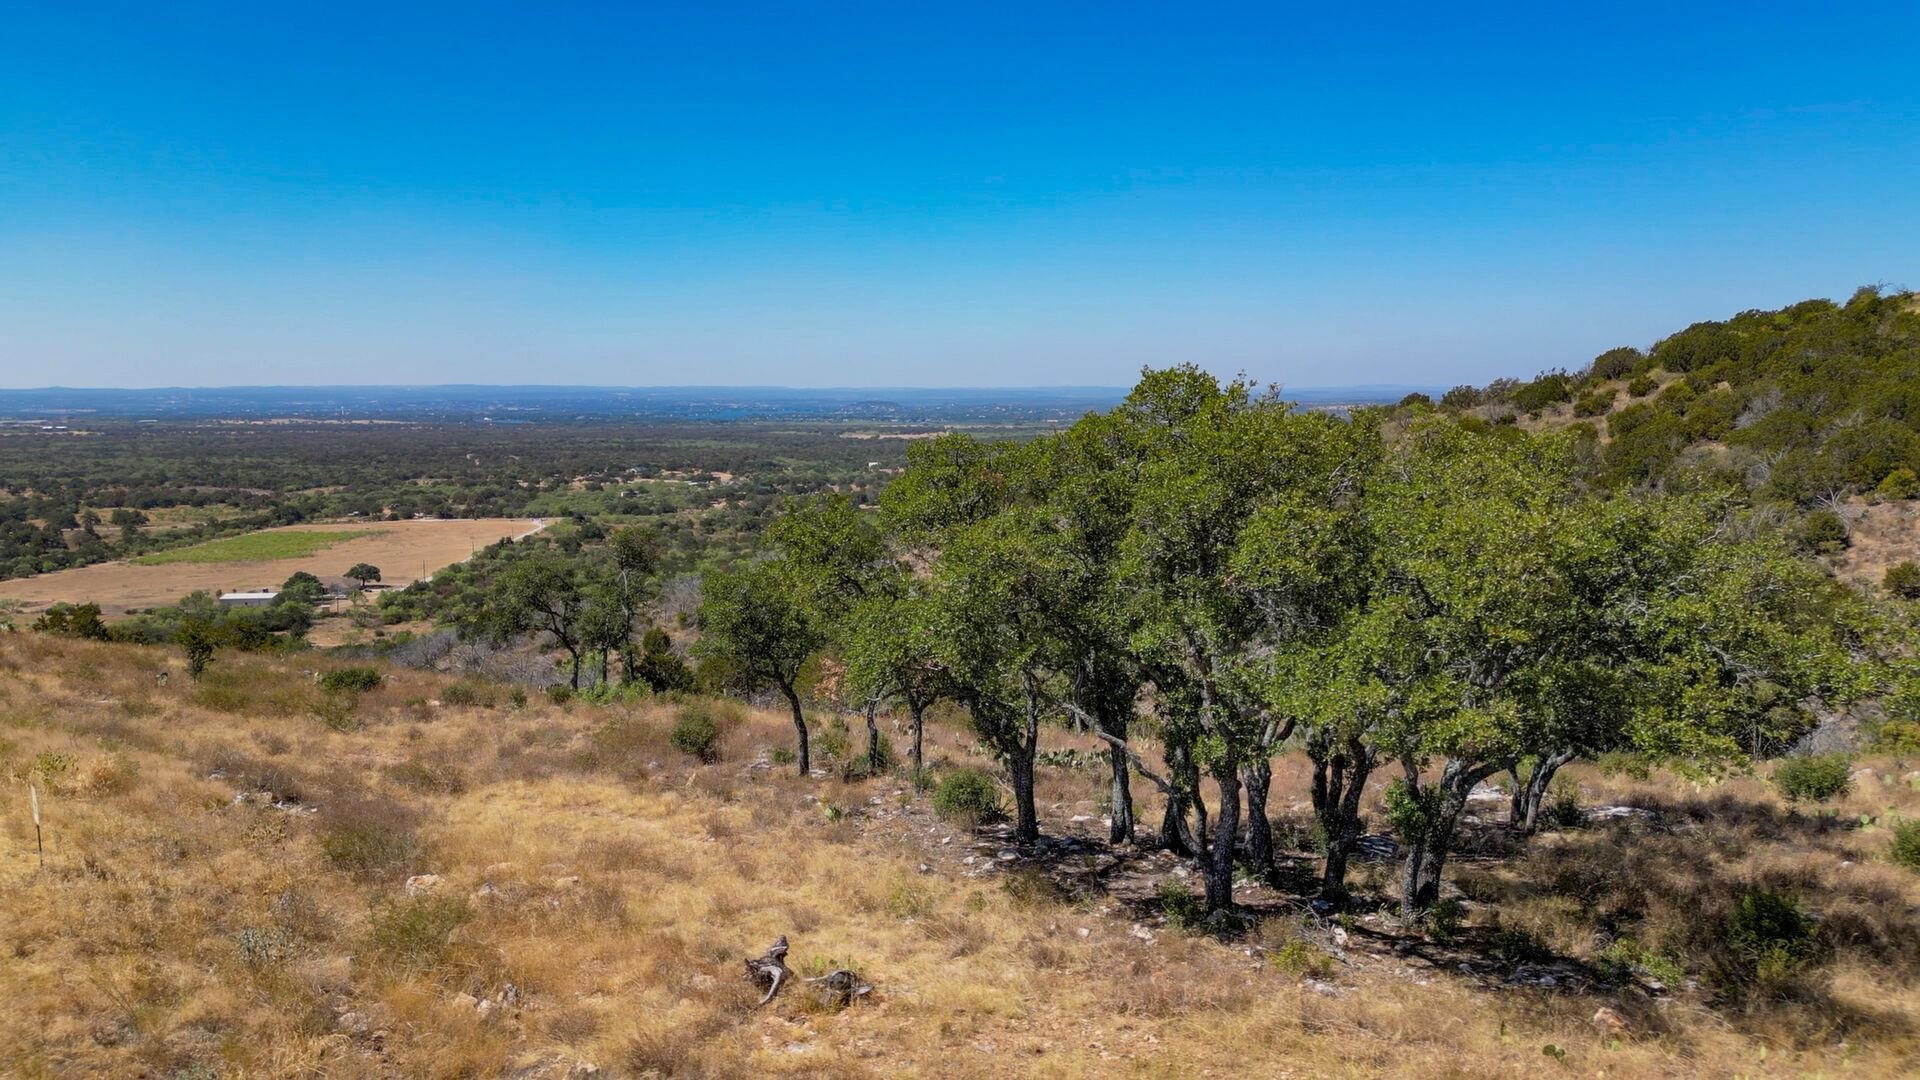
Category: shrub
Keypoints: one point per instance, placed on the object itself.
(462, 694)
(429, 777)
(1303, 959)
(1823, 531)
(1903, 580)
(559, 693)
(695, 733)
(415, 932)
(967, 797)
(368, 838)
(1183, 909)
(1904, 848)
(1593, 404)
(1901, 483)
(1030, 887)
(1813, 777)
(1766, 940)
(1563, 809)
(350, 680)
(1642, 385)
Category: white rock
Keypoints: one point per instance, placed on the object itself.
(422, 884)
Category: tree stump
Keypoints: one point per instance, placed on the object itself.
(770, 969)
(838, 989)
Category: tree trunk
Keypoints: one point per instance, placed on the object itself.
(799, 728)
(1176, 835)
(1026, 818)
(575, 654)
(1339, 780)
(919, 728)
(1530, 796)
(876, 760)
(1120, 793)
(1427, 853)
(1218, 864)
(1258, 778)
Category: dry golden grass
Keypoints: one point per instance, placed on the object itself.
(615, 885)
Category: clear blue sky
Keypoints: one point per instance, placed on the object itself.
(914, 194)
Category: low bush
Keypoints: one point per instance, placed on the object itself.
(1902, 579)
(369, 838)
(1642, 385)
(350, 680)
(1183, 908)
(696, 733)
(1904, 847)
(1764, 945)
(1813, 777)
(1303, 959)
(967, 798)
(467, 695)
(415, 932)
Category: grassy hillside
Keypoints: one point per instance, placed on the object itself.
(593, 892)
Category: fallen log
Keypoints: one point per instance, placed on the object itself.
(770, 968)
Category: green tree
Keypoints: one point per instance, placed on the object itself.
(753, 621)
(363, 574)
(538, 594)
(196, 638)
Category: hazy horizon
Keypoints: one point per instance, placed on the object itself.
(877, 196)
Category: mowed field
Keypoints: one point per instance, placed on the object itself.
(403, 550)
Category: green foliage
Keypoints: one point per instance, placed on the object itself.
(1813, 777)
(1903, 847)
(1595, 403)
(1902, 579)
(1616, 363)
(416, 932)
(1901, 483)
(1183, 910)
(1765, 943)
(1823, 531)
(368, 838)
(1642, 385)
(1302, 959)
(363, 573)
(195, 637)
(1549, 389)
(967, 798)
(355, 679)
(696, 733)
(73, 621)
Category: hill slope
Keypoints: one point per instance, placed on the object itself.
(593, 893)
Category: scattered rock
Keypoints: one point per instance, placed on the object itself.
(1375, 847)
(422, 884)
(1610, 1022)
(1142, 933)
(465, 1001)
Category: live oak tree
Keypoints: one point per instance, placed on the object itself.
(539, 594)
(755, 620)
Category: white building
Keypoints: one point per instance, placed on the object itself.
(249, 598)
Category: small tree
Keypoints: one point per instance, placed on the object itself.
(196, 638)
(363, 573)
(755, 624)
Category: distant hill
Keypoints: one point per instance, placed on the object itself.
(1809, 405)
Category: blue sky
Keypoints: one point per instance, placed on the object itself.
(917, 194)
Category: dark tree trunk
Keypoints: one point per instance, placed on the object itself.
(1340, 774)
(799, 728)
(1120, 793)
(1258, 778)
(876, 760)
(1529, 796)
(575, 654)
(1026, 818)
(919, 729)
(1218, 864)
(1427, 853)
(1176, 835)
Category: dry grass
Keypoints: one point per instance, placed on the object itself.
(596, 892)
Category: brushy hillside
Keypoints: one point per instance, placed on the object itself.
(1801, 405)
(229, 863)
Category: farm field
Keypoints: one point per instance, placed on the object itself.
(270, 545)
(402, 549)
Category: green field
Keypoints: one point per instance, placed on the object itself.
(255, 547)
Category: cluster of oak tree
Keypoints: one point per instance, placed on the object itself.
(1407, 597)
